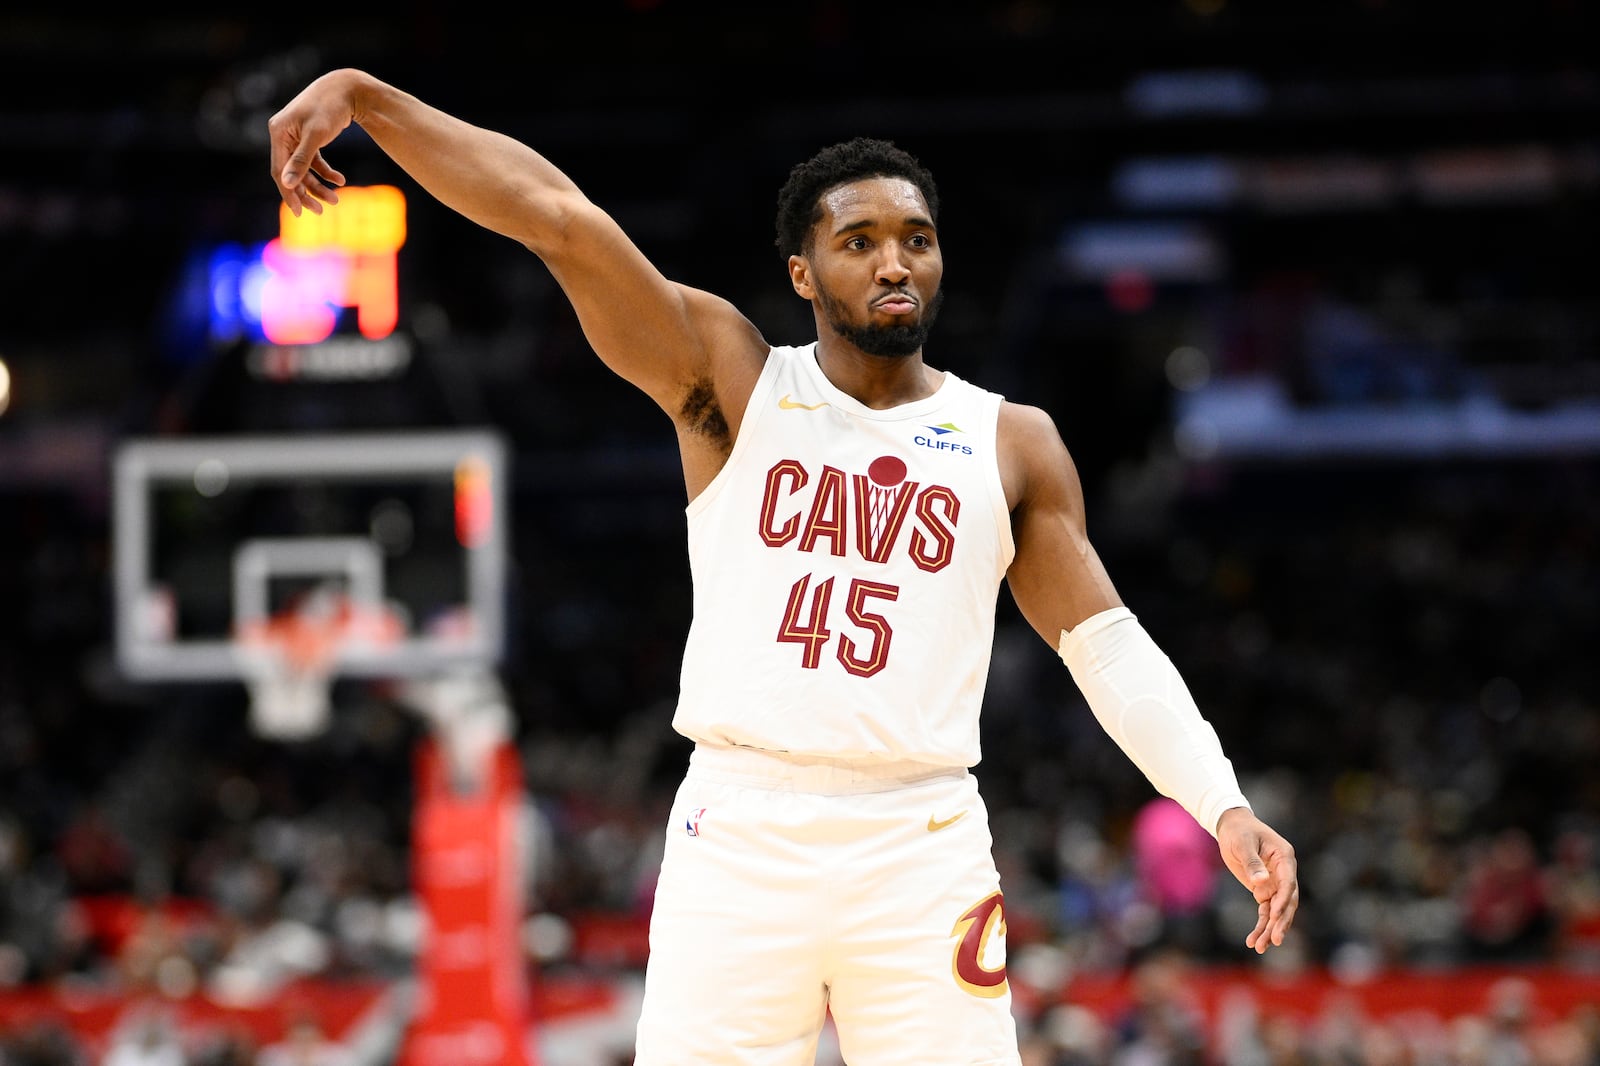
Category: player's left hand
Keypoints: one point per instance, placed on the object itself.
(1264, 863)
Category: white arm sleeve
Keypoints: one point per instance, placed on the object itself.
(1143, 704)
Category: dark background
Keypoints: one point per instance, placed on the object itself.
(1395, 644)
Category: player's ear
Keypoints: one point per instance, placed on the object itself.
(800, 276)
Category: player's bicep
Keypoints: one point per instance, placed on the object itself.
(1056, 577)
(648, 329)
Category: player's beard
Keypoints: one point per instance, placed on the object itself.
(895, 341)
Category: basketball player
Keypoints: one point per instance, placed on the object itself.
(852, 512)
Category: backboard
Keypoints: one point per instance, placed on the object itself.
(219, 538)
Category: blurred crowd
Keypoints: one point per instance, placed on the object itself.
(1397, 659)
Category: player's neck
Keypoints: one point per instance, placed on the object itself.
(877, 381)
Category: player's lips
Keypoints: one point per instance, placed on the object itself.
(896, 305)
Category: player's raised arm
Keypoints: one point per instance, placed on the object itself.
(661, 336)
(1134, 690)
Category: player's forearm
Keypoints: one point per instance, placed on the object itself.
(1144, 705)
(492, 179)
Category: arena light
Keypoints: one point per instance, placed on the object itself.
(1180, 182)
(295, 289)
(1182, 252)
(341, 258)
(1187, 93)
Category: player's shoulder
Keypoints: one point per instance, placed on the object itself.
(1034, 463)
(1028, 426)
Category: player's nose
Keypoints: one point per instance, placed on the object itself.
(892, 269)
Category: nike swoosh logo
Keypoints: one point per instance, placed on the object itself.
(786, 404)
(934, 825)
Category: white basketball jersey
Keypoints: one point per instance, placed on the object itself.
(846, 565)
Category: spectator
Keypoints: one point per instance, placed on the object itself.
(1176, 861)
(1505, 910)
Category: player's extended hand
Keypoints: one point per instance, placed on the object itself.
(1264, 863)
(299, 132)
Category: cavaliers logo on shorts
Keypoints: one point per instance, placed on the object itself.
(982, 929)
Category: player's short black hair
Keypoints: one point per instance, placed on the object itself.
(800, 199)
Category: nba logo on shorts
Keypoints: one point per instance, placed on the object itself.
(692, 824)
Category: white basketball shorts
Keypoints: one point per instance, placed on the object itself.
(795, 887)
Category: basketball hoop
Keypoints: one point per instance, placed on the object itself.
(289, 659)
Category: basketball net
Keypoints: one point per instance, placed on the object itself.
(289, 659)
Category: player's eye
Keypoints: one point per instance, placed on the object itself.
(920, 240)
(855, 244)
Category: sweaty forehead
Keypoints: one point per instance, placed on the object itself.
(880, 200)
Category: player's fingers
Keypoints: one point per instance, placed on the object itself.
(292, 198)
(295, 168)
(1257, 877)
(296, 147)
(307, 181)
(303, 197)
(1273, 881)
(313, 186)
(1257, 938)
(1275, 914)
(1282, 909)
(328, 175)
(286, 171)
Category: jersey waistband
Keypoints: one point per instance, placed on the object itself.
(784, 772)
